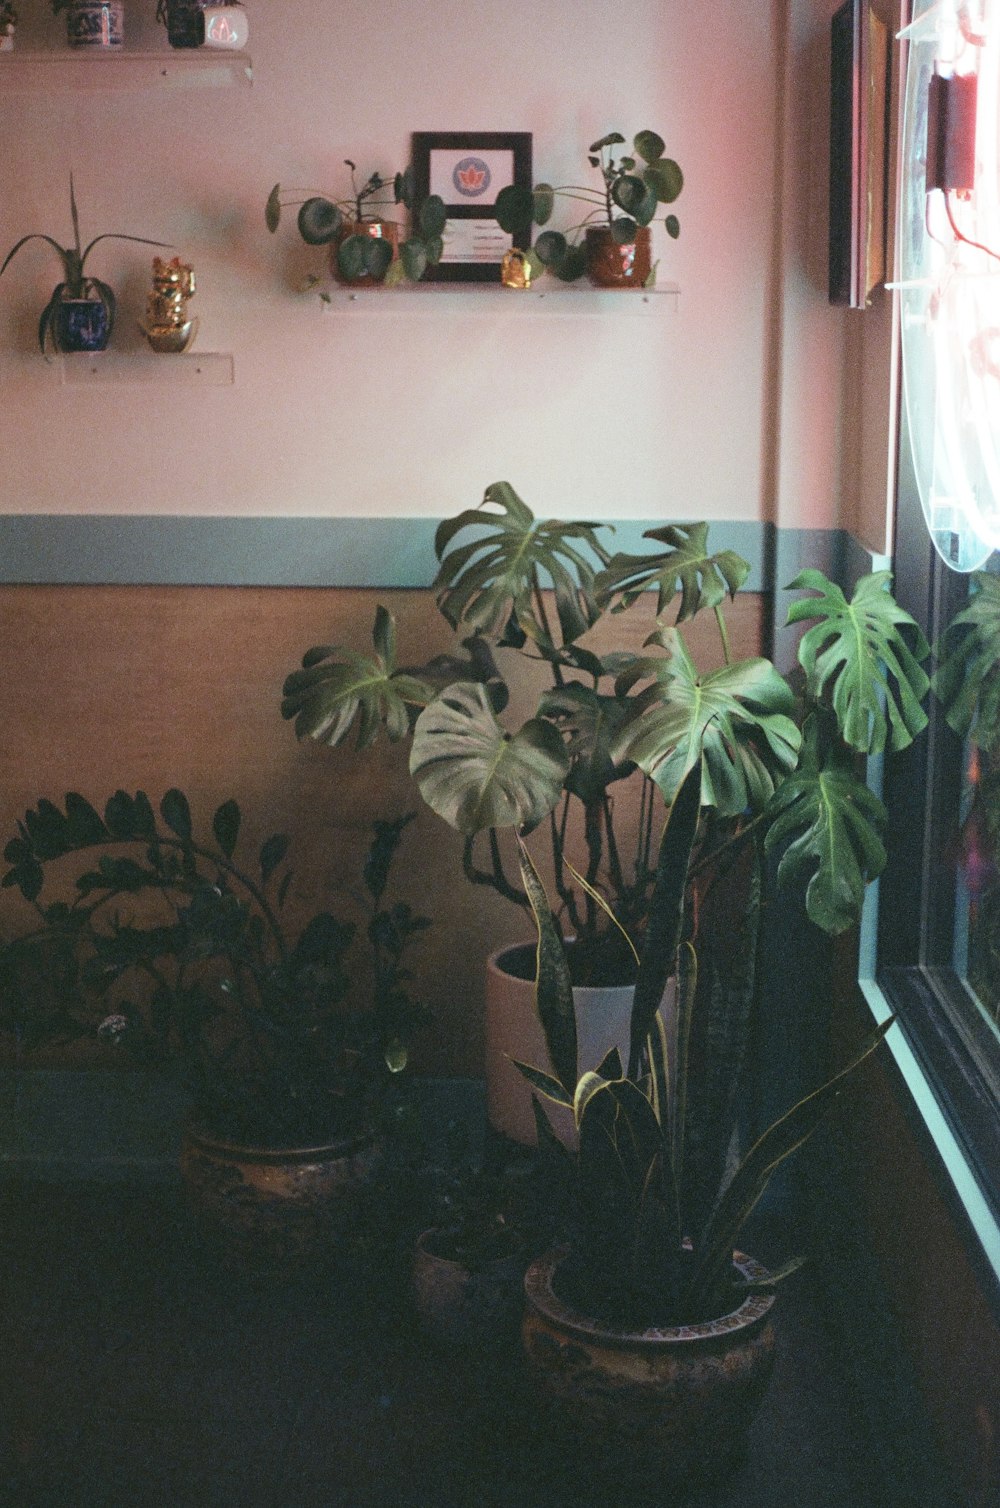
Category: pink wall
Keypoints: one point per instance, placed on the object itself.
(668, 413)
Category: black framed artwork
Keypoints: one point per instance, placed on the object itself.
(467, 169)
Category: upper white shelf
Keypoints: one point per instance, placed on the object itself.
(182, 68)
(548, 297)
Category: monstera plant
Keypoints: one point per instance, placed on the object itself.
(779, 754)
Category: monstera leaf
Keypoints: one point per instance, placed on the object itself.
(738, 718)
(474, 774)
(492, 579)
(338, 686)
(703, 579)
(967, 679)
(832, 824)
(858, 655)
(590, 722)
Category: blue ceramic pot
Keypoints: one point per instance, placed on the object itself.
(81, 324)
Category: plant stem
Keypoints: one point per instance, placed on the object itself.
(720, 619)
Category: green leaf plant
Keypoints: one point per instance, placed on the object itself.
(634, 183)
(758, 772)
(75, 283)
(167, 947)
(612, 735)
(324, 219)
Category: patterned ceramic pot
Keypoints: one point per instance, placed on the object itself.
(81, 324)
(610, 265)
(463, 1308)
(681, 1397)
(382, 230)
(285, 1202)
(96, 24)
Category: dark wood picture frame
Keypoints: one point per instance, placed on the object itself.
(516, 146)
(859, 91)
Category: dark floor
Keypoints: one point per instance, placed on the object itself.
(141, 1370)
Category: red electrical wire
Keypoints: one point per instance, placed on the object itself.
(966, 240)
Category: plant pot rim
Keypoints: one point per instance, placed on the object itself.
(425, 1246)
(541, 1296)
(338, 1146)
(495, 965)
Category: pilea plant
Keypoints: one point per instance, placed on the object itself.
(168, 947)
(323, 219)
(633, 184)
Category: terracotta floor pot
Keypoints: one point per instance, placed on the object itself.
(466, 1309)
(384, 230)
(610, 265)
(293, 1201)
(682, 1397)
(513, 1031)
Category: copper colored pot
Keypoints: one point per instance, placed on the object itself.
(610, 265)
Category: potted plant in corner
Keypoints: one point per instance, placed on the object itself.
(610, 738)
(174, 951)
(365, 248)
(80, 315)
(616, 250)
(647, 1329)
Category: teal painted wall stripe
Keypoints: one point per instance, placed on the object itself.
(104, 549)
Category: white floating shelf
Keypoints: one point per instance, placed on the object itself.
(182, 68)
(149, 368)
(570, 300)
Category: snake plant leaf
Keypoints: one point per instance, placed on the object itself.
(338, 687)
(857, 653)
(589, 722)
(666, 912)
(553, 989)
(484, 582)
(832, 825)
(476, 775)
(737, 718)
(704, 580)
(545, 1083)
(785, 1136)
(967, 679)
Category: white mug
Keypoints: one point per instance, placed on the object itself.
(226, 26)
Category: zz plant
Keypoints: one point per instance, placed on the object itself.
(173, 949)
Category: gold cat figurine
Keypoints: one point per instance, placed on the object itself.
(167, 326)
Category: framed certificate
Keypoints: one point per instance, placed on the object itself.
(468, 169)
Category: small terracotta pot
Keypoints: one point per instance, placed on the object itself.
(289, 1201)
(682, 1396)
(384, 230)
(610, 265)
(463, 1308)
